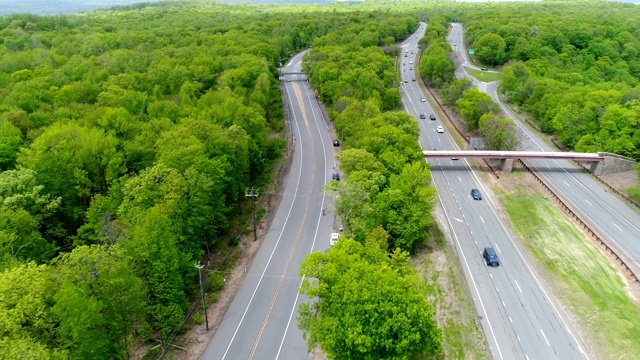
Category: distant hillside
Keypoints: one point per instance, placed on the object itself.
(57, 7)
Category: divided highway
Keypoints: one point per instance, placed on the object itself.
(519, 315)
(610, 218)
(261, 320)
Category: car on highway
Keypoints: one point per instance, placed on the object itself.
(334, 239)
(423, 99)
(423, 116)
(432, 117)
(410, 67)
(475, 194)
(490, 257)
(414, 79)
(406, 81)
(336, 142)
(483, 69)
(410, 62)
(335, 176)
(440, 129)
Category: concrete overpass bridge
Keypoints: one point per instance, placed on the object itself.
(597, 161)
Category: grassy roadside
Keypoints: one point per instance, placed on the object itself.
(449, 294)
(484, 76)
(584, 280)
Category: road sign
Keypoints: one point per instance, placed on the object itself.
(472, 51)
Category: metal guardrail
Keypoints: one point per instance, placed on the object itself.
(568, 210)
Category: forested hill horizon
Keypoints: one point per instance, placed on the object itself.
(65, 7)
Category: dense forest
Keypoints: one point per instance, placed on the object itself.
(574, 68)
(127, 140)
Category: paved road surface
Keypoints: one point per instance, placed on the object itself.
(520, 317)
(261, 321)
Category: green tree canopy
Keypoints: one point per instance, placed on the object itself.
(369, 305)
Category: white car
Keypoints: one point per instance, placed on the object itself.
(334, 239)
(423, 100)
(440, 129)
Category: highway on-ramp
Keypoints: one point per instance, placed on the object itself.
(520, 317)
(261, 321)
(608, 216)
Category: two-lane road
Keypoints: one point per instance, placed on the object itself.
(519, 315)
(261, 320)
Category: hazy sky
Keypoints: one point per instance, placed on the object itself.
(55, 7)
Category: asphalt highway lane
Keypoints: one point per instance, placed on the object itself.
(261, 320)
(520, 317)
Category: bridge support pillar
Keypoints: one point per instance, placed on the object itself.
(507, 165)
(596, 167)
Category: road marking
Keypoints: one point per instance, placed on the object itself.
(521, 291)
(614, 224)
(587, 201)
(526, 356)
(293, 308)
(475, 286)
(564, 181)
(455, 218)
(459, 179)
(296, 89)
(511, 321)
(504, 305)
(482, 219)
(235, 333)
(497, 248)
(490, 274)
(545, 337)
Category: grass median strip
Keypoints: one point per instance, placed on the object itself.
(484, 76)
(582, 277)
(449, 294)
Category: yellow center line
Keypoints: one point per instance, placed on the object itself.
(296, 89)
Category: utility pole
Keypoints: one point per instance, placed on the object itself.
(204, 306)
(253, 193)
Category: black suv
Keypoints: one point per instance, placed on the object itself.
(432, 117)
(475, 194)
(490, 257)
(423, 116)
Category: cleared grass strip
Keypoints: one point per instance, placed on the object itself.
(449, 294)
(483, 76)
(582, 277)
